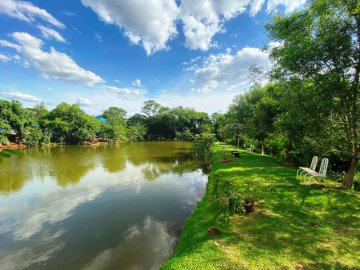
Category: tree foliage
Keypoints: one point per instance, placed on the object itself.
(69, 124)
(321, 45)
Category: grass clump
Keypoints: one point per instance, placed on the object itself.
(293, 226)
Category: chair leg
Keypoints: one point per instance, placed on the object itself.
(311, 178)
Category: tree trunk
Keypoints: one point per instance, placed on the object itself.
(262, 148)
(349, 175)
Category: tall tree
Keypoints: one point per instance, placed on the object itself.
(70, 124)
(257, 110)
(321, 44)
(151, 108)
(115, 115)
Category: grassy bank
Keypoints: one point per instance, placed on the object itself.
(293, 227)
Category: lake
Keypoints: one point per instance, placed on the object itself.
(97, 207)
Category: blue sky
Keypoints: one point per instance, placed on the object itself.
(123, 52)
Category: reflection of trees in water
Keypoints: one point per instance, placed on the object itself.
(68, 164)
(113, 157)
(162, 158)
(14, 173)
(154, 170)
(12, 177)
(143, 152)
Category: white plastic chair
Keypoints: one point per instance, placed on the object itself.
(321, 173)
(312, 167)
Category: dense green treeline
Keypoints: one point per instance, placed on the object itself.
(69, 124)
(312, 105)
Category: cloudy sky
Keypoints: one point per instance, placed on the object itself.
(101, 53)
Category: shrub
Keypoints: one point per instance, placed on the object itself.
(202, 146)
(3, 139)
(185, 136)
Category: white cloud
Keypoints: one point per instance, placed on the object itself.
(288, 5)
(49, 33)
(84, 102)
(21, 96)
(137, 83)
(256, 6)
(200, 20)
(4, 58)
(26, 11)
(228, 72)
(152, 28)
(5, 43)
(98, 37)
(123, 91)
(210, 102)
(53, 64)
(149, 240)
(199, 33)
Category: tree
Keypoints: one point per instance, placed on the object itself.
(38, 112)
(13, 116)
(115, 128)
(69, 124)
(150, 108)
(115, 116)
(257, 110)
(234, 130)
(136, 132)
(321, 44)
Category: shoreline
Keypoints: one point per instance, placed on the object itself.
(290, 227)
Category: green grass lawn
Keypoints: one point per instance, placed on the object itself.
(294, 226)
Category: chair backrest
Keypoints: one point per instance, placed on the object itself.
(323, 166)
(314, 162)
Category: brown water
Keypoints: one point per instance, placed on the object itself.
(104, 207)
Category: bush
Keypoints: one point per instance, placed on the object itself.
(202, 146)
(3, 139)
(228, 195)
(185, 136)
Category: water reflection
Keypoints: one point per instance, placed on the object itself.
(144, 247)
(85, 215)
(69, 164)
(27, 256)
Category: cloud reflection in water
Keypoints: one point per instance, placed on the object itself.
(149, 243)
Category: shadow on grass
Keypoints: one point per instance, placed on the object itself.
(295, 227)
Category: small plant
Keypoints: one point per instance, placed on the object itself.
(229, 196)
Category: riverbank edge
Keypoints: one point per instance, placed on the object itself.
(294, 226)
(199, 211)
(24, 146)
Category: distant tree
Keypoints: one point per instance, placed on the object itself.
(115, 116)
(13, 116)
(257, 110)
(136, 132)
(69, 124)
(218, 121)
(151, 108)
(38, 112)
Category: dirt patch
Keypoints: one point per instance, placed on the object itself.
(213, 231)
